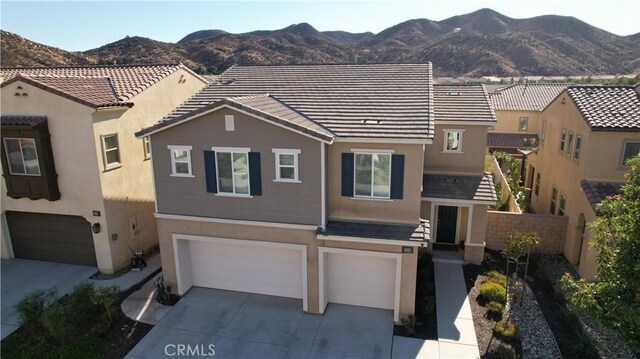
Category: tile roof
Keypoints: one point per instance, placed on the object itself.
(370, 101)
(400, 232)
(608, 108)
(264, 106)
(512, 140)
(462, 103)
(596, 191)
(525, 97)
(472, 188)
(21, 121)
(101, 85)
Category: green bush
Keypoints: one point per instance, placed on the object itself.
(580, 345)
(32, 307)
(409, 324)
(493, 292)
(495, 308)
(504, 352)
(497, 277)
(505, 330)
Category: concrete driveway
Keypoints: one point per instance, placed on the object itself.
(20, 277)
(243, 325)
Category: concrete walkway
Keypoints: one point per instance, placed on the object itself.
(131, 278)
(142, 305)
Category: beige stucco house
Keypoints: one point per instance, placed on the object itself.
(77, 185)
(590, 131)
(320, 182)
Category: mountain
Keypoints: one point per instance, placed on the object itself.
(483, 42)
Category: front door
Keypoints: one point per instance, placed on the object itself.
(447, 223)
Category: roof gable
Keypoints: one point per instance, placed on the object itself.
(608, 108)
(526, 97)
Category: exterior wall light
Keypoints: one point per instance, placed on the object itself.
(95, 228)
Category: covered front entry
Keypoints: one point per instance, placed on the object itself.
(51, 237)
(357, 277)
(447, 224)
(241, 265)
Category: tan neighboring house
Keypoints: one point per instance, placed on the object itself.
(590, 131)
(77, 184)
(310, 181)
(518, 110)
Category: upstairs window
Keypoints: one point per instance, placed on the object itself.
(523, 124)
(631, 149)
(570, 144)
(543, 131)
(286, 165)
(181, 161)
(576, 152)
(554, 201)
(536, 191)
(110, 151)
(563, 204)
(22, 156)
(232, 167)
(372, 175)
(146, 147)
(563, 140)
(452, 141)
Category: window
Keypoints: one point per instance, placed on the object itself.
(563, 140)
(563, 203)
(146, 147)
(523, 124)
(232, 167)
(543, 131)
(229, 123)
(576, 152)
(536, 191)
(111, 152)
(452, 141)
(286, 165)
(180, 161)
(631, 149)
(554, 200)
(372, 175)
(22, 156)
(570, 144)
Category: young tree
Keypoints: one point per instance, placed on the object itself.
(614, 299)
(518, 245)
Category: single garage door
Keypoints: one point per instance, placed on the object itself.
(359, 279)
(51, 237)
(247, 267)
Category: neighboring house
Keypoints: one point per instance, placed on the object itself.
(590, 131)
(309, 181)
(518, 108)
(77, 183)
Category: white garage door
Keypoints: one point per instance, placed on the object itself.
(247, 268)
(360, 280)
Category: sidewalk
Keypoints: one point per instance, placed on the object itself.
(142, 305)
(131, 278)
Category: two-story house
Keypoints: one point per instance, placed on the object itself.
(590, 132)
(306, 181)
(77, 183)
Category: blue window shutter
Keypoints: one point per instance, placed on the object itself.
(255, 181)
(210, 171)
(397, 176)
(347, 174)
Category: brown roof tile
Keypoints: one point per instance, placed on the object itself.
(462, 103)
(21, 121)
(608, 108)
(512, 140)
(596, 191)
(471, 188)
(525, 97)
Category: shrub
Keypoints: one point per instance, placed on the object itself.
(497, 277)
(409, 324)
(32, 307)
(504, 352)
(495, 308)
(580, 345)
(506, 330)
(493, 292)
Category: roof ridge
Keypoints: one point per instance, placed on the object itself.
(90, 66)
(300, 113)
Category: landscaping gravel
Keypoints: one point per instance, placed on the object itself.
(610, 344)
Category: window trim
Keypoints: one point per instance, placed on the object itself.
(570, 144)
(232, 150)
(562, 204)
(624, 149)
(446, 136)
(563, 141)
(554, 200)
(146, 147)
(538, 179)
(371, 153)
(526, 124)
(6, 152)
(543, 130)
(578, 149)
(174, 172)
(281, 151)
(110, 166)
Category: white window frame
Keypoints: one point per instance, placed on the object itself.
(543, 130)
(562, 204)
(554, 200)
(6, 151)
(371, 153)
(174, 172)
(526, 124)
(446, 136)
(229, 123)
(563, 141)
(624, 150)
(146, 147)
(233, 150)
(577, 149)
(281, 151)
(108, 166)
(537, 181)
(570, 144)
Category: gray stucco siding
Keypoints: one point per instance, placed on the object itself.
(296, 203)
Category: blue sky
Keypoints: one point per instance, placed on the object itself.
(82, 25)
